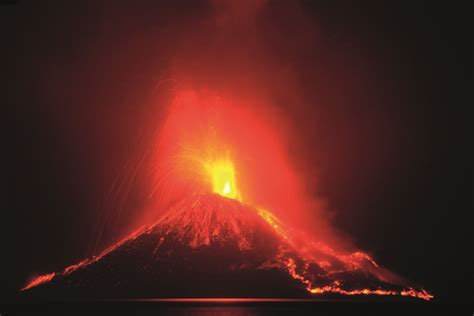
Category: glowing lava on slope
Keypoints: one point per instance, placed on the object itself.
(210, 236)
(224, 180)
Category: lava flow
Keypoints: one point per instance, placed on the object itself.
(241, 239)
(226, 180)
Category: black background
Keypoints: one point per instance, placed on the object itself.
(391, 142)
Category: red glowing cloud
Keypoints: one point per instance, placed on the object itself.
(203, 127)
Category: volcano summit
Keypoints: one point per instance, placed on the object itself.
(213, 246)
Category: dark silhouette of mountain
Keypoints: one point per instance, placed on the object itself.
(212, 246)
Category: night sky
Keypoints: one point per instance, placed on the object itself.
(382, 122)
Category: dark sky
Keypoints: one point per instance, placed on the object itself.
(384, 124)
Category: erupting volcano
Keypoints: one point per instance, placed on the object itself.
(209, 245)
(224, 180)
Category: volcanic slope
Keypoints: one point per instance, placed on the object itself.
(212, 246)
